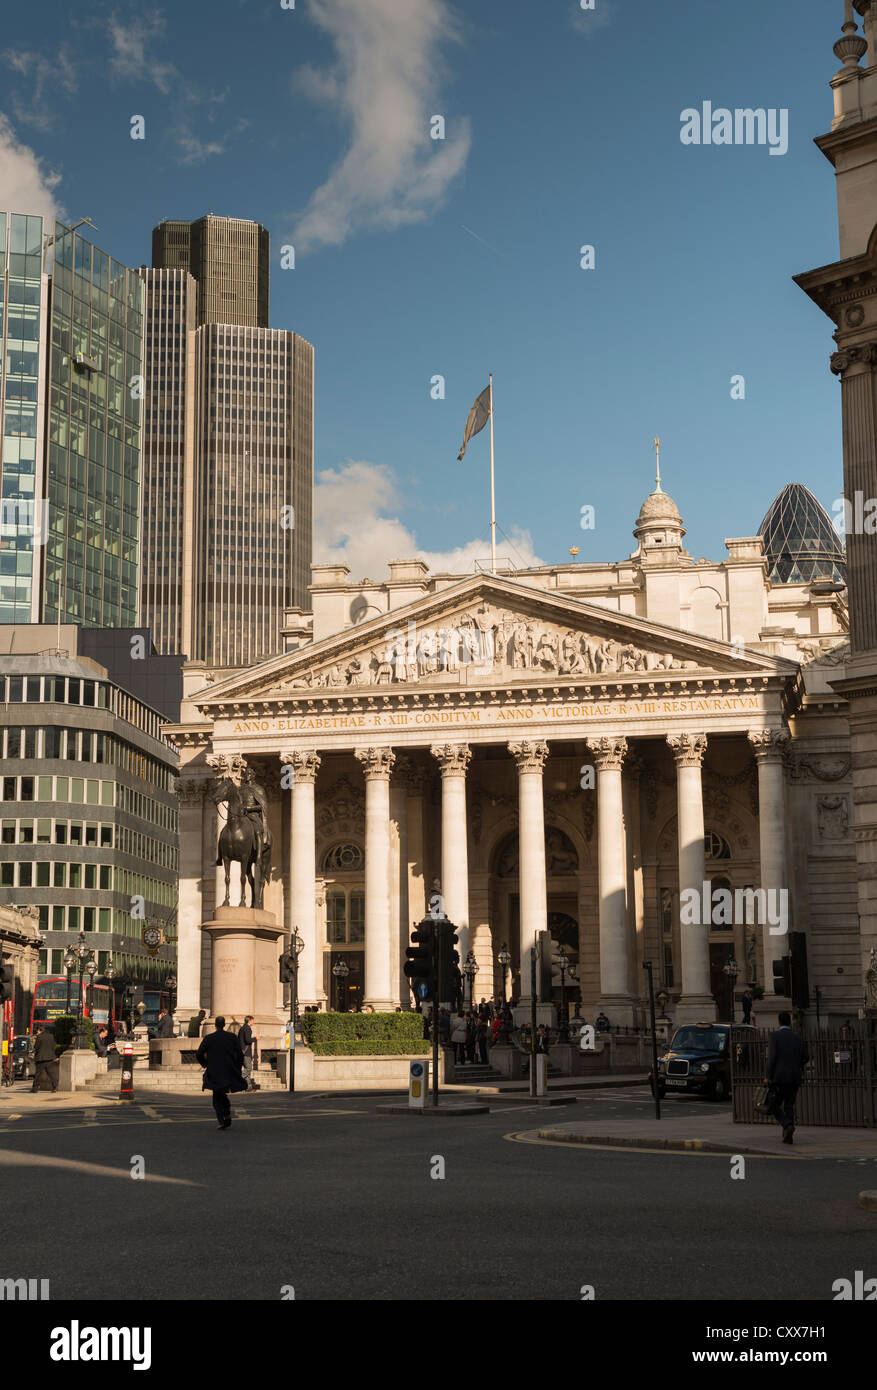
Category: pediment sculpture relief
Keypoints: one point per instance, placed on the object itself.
(501, 645)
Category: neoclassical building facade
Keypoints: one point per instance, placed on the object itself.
(569, 754)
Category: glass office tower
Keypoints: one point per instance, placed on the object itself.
(93, 456)
(24, 291)
(70, 393)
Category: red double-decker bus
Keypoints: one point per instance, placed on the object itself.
(50, 1000)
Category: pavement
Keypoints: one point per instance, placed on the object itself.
(690, 1127)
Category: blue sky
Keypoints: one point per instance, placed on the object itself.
(417, 257)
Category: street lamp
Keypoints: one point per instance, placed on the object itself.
(81, 951)
(563, 1030)
(297, 945)
(505, 960)
(170, 985)
(69, 962)
(470, 970)
(731, 969)
(109, 975)
(340, 970)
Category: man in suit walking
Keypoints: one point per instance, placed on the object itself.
(44, 1059)
(223, 1062)
(247, 1040)
(786, 1058)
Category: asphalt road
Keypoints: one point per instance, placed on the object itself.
(339, 1203)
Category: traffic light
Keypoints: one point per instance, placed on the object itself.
(800, 983)
(7, 981)
(450, 977)
(287, 968)
(420, 964)
(782, 977)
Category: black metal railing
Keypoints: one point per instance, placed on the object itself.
(840, 1079)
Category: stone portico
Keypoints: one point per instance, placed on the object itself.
(564, 771)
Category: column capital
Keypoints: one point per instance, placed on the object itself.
(452, 758)
(377, 763)
(608, 752)
(530, 757)
(769, 745)
(227, 765)
(864, 354)
(688, 749)
(305, 764)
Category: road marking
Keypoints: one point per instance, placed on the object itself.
(89, 1118)
(154, 1114)
(194, 1120)
(12, 1117)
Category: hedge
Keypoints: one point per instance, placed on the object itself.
(374, 1035)
(65, 1032)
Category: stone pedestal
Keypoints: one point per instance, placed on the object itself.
(245, 950)
(76, 1067)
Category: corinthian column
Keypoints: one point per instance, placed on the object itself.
(530, 759)
(377, 764)
(615, 998)
(190, 790)
(770, 746)
(453, 759)
(696, 1001)
(299, 768)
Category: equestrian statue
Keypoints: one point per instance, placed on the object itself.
(246, 836)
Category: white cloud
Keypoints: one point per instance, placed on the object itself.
(385, 82)
(49, 78)
(25, 183)
(193, 150)
(352, 527)
(133, 51)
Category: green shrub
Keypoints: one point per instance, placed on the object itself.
(375, 1035)
(65, 1032)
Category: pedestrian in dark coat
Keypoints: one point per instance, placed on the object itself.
(223, 1061)
(746, 1001)
(44, 1059)
(165, 1027)
(786, 1058)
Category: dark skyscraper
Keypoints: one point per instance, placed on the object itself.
(229, 259)
(228, 450)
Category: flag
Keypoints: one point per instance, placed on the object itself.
(478, 418)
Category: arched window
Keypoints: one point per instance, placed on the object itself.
(716, 846)
(344, 859)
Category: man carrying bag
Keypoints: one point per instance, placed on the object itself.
(786, 1058)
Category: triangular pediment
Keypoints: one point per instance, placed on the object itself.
(492, 631)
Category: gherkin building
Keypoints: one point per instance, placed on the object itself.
(800, 543)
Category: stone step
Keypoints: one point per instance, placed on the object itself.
(173, 1079)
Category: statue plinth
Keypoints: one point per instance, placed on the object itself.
(245, 970)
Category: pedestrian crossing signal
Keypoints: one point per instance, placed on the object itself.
(7, 981)
(420, 964)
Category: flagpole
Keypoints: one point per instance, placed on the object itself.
(492, 489)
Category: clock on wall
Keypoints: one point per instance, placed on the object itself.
(152, 939)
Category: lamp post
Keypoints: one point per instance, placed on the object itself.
(504, 960)
(563, 1029)
(69, 962)
(731, 969)
(297, 945)
(340, 970)
(109, 975)
(81, 951)
(170, 985)
(470, 970)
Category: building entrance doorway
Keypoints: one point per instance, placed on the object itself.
(346, 993)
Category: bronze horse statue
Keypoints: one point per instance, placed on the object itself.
(242, 840)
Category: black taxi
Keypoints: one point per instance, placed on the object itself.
(698, 1060)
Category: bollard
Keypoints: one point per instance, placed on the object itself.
(127, 1088)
